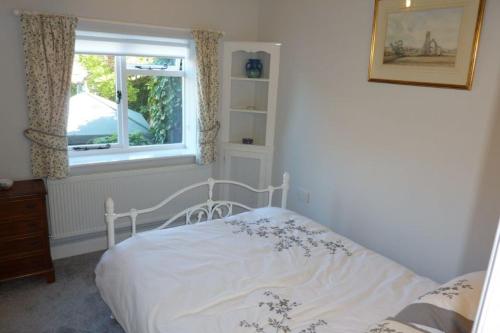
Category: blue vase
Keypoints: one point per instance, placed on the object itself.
(254, 68)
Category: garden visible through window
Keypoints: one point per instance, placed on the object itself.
(126, 101)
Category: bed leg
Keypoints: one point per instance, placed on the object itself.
(286, 187)
(110, 221)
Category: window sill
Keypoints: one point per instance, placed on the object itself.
(87, 164)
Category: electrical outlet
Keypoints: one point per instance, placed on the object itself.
(303, 195)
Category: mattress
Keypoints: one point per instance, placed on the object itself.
(268, 270)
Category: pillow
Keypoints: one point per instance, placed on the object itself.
(451, 308)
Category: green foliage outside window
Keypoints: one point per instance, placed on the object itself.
(100, 75)
(165, 102)
(135, 139)
(138, 139)
(113, 138)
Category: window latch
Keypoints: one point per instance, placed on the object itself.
(85, 148)
(118, 96)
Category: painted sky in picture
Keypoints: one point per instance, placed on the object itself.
(411, 27)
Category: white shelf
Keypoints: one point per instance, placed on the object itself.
(249, 111)
(250, 148)
(242, 78)
(239, 144)
(249, 93)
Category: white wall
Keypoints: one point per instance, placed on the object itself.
(411, 172)
(238, 18)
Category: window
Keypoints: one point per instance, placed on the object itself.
(93, 112)
(155, 90)
(126, 101)
(133, 98)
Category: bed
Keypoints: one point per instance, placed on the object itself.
(265, 270)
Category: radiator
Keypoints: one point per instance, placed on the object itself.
(76, 204)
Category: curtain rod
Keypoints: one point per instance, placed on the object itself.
(18, 12)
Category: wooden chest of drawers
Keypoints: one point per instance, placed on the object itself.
(24, 239)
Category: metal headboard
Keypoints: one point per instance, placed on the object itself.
(204, 211)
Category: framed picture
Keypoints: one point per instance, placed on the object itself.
(426, 42)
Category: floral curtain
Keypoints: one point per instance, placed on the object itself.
(49, 43)
(207, 45)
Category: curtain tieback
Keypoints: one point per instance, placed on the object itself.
(211, 134)
(47, 140)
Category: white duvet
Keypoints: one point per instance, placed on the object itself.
(265, 271)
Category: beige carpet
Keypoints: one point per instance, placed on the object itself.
(70, 305)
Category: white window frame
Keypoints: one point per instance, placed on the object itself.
(122, 73)
(149, 44)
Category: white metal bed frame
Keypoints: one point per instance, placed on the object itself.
(205, 211)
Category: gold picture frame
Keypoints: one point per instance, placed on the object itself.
(431, 43)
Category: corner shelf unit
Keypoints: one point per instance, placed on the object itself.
(249, 111)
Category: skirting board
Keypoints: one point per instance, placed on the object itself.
(74, 246)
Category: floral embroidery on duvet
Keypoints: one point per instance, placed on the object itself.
(450, 291)
(384, 328)
(279, 308)
(288, 235)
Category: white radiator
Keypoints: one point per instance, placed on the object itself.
(76, 204)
